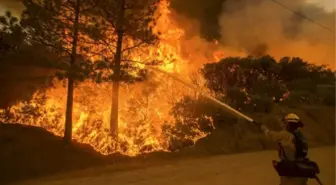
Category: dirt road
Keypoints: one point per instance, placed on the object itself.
(241, 169)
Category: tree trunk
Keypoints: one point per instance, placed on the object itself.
(69, 105)
(68, 114)
(115, 86)
(114, 110)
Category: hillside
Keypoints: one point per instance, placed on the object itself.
(28, 152)
(241, 136)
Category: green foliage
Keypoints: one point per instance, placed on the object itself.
(192, 116)
(329, 99)
(238, 79)
(254, 85)
(51, 24)
(11, 36)
(135, 29)
(260, 104)
(237, 97)
(193, 111)
(24, 66)
(267, 79)
(327, 92)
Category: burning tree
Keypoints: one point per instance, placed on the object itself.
(144, 107)
(61, 27)
(127, 26)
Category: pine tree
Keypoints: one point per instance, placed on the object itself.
(61, 26)
(130, 22)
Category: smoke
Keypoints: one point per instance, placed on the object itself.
(204, 12)
(261, 27)
(267, 28)
(253, 27)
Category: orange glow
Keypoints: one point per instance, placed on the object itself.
(144, 106)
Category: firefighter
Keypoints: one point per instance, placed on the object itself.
(292, 145)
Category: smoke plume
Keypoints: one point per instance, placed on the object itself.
(268, 27)
(255, 27)
(261, 27)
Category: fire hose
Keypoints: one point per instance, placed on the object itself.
(224, 105)
(227, 107)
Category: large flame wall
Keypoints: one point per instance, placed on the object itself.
(144, 106)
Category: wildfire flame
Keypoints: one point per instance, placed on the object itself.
(144, 106)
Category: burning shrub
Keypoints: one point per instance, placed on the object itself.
(192, 121)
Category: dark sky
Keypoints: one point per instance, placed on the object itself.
(206, 12)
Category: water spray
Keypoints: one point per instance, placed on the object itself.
(224, 105)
